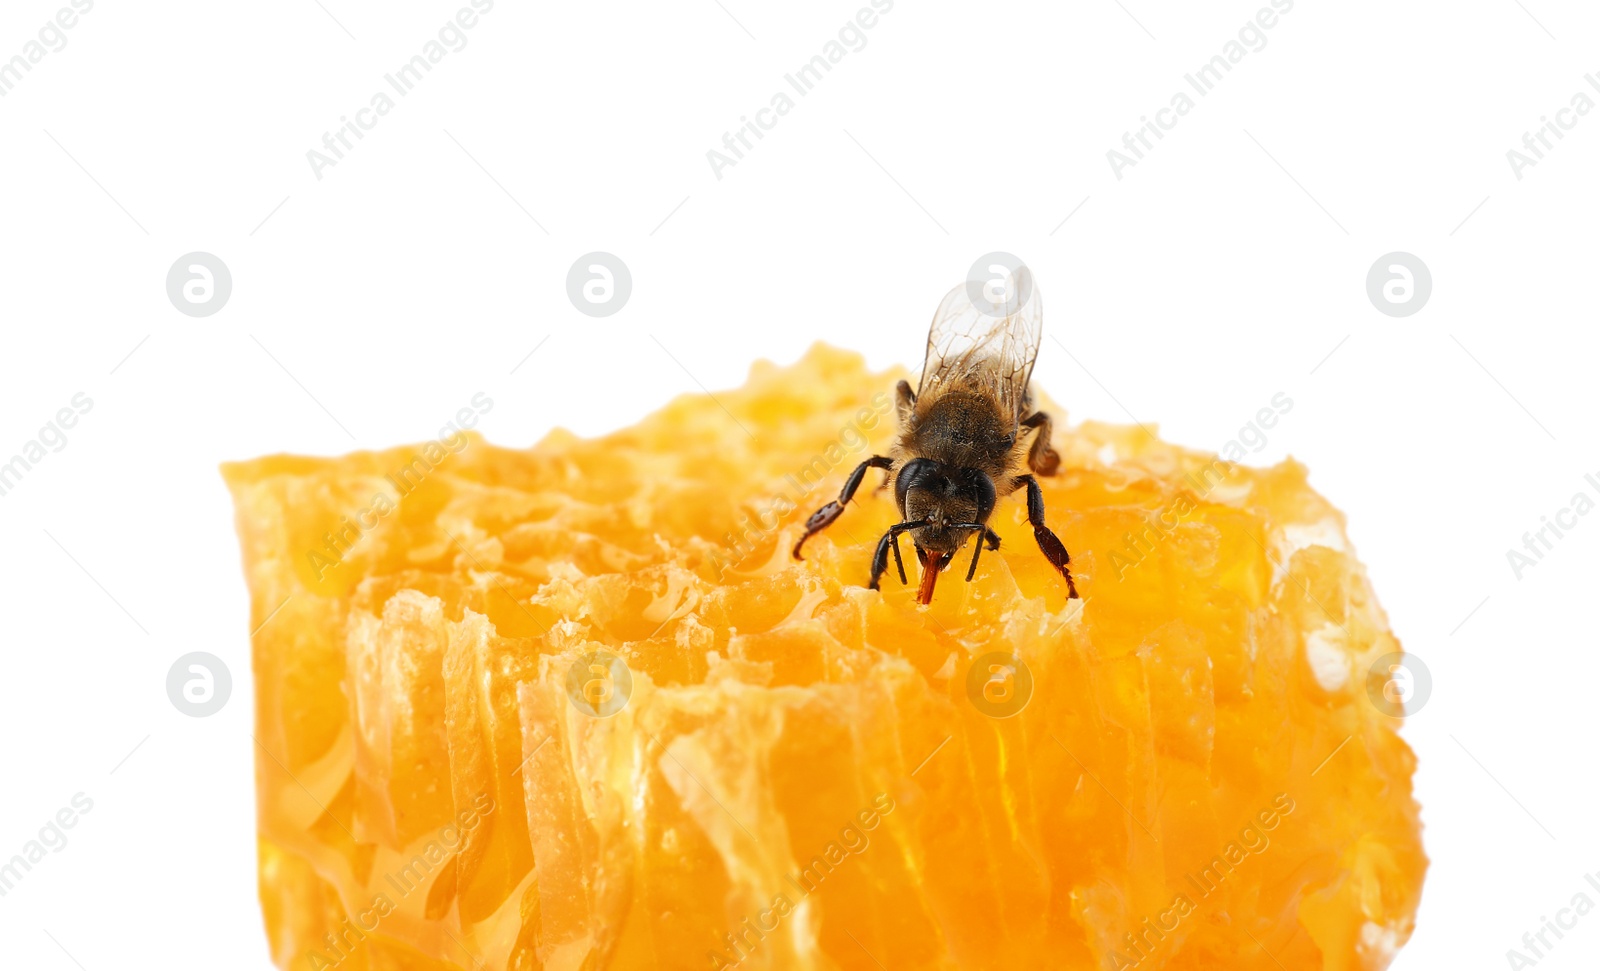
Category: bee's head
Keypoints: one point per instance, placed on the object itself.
(951, 499)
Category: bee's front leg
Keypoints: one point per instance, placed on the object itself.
(824, 517)
(985, 535)
(880, 556)
(1049, 544)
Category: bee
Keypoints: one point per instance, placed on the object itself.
(968, 436)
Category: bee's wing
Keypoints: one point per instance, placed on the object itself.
(988, 347)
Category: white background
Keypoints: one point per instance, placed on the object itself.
(373, 303)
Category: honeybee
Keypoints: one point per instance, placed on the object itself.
(967, 436)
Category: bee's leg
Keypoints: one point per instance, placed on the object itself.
(1041, 457)
(1049, 543)
(977, 547)
(824, 517)
(880, 556)
(905, 401)
(985, 534)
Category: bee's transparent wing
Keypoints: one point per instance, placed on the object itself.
(987, 346)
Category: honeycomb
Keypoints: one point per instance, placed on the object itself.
(576, 707)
